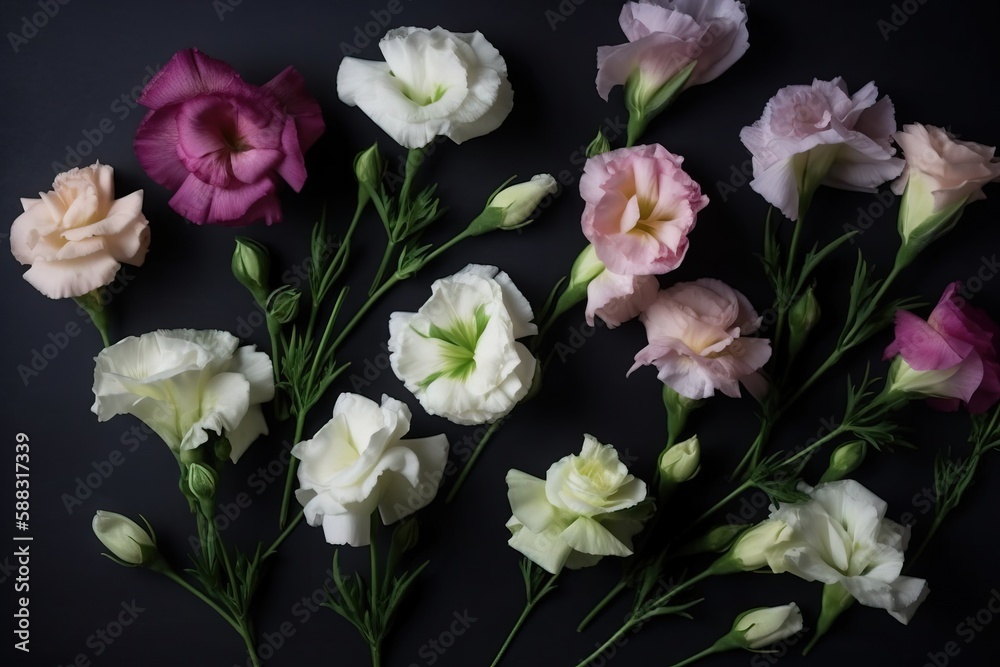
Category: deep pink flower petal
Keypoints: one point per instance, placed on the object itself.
(923, 347)
(290, 90)
(155, 144)
(988, 392)
(293, 167)
(267, 208)
(187, 74)
(213, 169)
(204, 124)
(203, 203)
(255, 164)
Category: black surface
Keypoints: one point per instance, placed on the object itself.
(939, 67)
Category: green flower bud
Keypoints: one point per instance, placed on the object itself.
(758, 628)
(202, 482)
(802, 318)
(680, 462)
(283, 304)
(586, 267)
(511, 207)
(130, 544)
(844, 460)
(599, 145)
(751, 549)
(716, 540)
(368, 167)
(251, 267)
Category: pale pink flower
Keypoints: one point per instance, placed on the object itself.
(76, 236)
(665, 36)
(819, 135)
(616, 298)
(942, 175)
(698, 340)
(640, 207)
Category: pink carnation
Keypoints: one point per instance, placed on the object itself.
(951, 357)
(221, 144)
(697, 340)
(640, 207)
(819, 135)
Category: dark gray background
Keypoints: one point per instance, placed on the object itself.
(939, 67)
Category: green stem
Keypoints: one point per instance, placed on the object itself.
(494, 427)
(374, 639)
(376, 652)
(390, 250)
(938, 520)
(273, 549)
(697, 656)
(753, 453)
(173, 576)
(286, 496)
(528, 607)
(97, 311)
(717, 506)
(372, 300)
(247, 636)
(605, 601)
(628, 625)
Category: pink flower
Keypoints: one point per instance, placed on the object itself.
(665, 36)
(77, 236)
(951, 357)
(697, 340)
(813, 135)
(220, 143)
(941, 177)
(616, 298)
(640, 207)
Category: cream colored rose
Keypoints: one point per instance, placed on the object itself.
(77, 236)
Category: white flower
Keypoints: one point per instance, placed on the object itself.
(124, 538)
(841, 536)
(579, 513)
(77, 236)
(182, 383)
(357, 463)
(433, 82)
(750, 551)
(767, 625)
(458, 353)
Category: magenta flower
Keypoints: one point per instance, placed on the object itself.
(949, 358)
(220, 143)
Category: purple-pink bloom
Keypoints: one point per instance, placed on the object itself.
(640, 207)
(221, 144)
(819, 135)
(665, 36)
(951, 357)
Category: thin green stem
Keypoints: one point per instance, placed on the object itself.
(273, 549)
(376, 653)
(605, 601)
(373, 559)
(629, 624)
(717, 506)
(372, 300)
(286, 496)
(390, 250)
(697, 656)
(528, 607)
(938, 520)
(247, 635)
(494, 427)
(173, 576)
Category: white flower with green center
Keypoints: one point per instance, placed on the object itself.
(587, 507)
(183, 383)
(841, 536)
(433, 82)
(459, 353)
